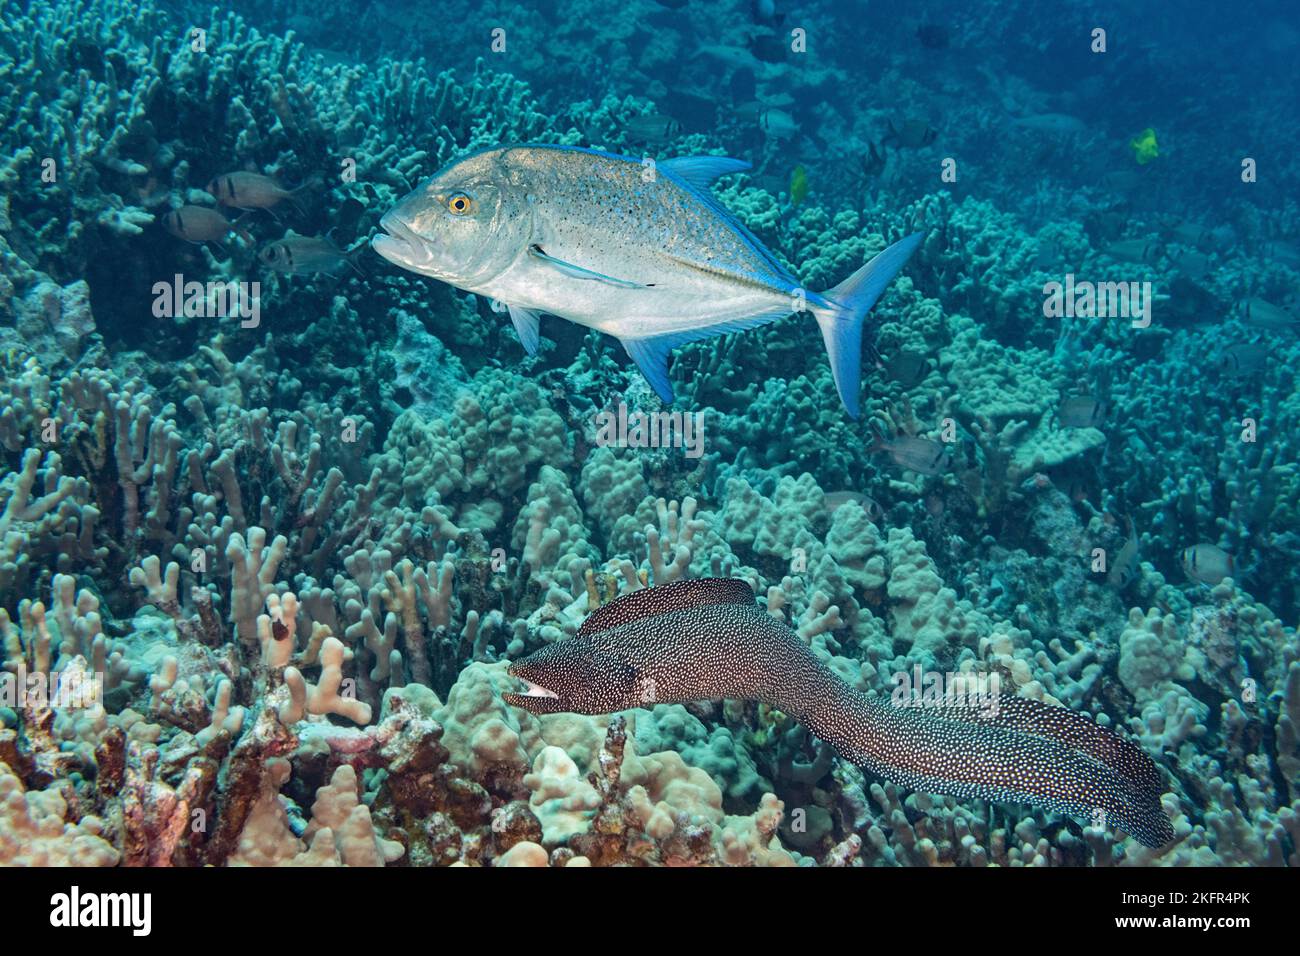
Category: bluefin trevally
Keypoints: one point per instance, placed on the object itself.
(640, 251)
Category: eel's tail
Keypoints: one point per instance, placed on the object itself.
(1019, 750)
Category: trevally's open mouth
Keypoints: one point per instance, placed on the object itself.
(400, 245)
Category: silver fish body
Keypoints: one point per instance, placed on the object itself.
(911, 133)
(1125, 566)
(1082, 411)
(653, 128)
(1193, 264)
(1134, 250)
(1207, 564)
(1265, 315)
(921, 455)
(638, 251)
(777, 123)
(306, 255)
(245, 190)
(1202, 238)
(1244, 358)
(201, 224)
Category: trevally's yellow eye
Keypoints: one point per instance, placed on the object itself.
(459, 204)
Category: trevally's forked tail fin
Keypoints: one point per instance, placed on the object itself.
(849, 302)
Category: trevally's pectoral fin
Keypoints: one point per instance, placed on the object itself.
(651, 352)
(526, 322)
(578, 272)
(703, 171)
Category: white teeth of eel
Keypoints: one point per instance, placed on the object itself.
(532, 690)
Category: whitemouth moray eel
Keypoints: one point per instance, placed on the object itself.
(707, 639)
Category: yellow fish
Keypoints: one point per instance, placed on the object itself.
(1145, 146)
(798, 185)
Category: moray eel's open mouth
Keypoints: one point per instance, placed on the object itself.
(533, 690)
(534, 698)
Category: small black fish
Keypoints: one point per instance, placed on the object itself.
(1082, 411)
(769, 49)
(1050, 254)
(1287, 253)
(245, 190)
(200, 224)
(1134, 250)
(910, 134)
(873, 163)
(1266, 315)
(1193, 264)
(346, 218)
(696, 113)
(907, 368)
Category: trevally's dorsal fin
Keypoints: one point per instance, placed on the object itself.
(703, 171)
(678, 596)
(526, 322)
(578, 272)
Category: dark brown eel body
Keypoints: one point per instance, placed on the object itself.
(707, 639)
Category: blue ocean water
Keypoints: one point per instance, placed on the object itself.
(555, 434)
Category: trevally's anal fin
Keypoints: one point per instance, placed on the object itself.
(651, 352)
(651, 357)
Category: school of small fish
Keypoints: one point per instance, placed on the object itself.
(249, 193)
